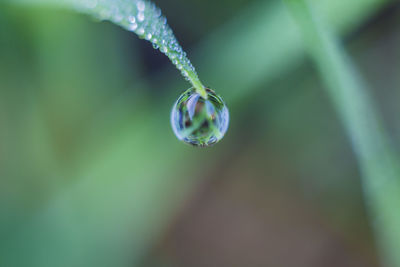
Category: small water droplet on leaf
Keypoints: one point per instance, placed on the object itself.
(133, 26)
(140, 32)
(141, 6)
(131, 19)
(140, 16)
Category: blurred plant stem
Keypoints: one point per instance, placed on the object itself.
(378, 162)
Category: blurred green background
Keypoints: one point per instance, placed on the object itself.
(92, 175)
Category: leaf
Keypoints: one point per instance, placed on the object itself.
(143, 18)
(378, 162)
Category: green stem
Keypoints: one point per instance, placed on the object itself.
(379, 164)
(195, 81)
(143, 18)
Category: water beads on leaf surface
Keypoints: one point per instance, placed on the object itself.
(145, 19)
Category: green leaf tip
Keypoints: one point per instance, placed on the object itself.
(143, 18)
(146, 20)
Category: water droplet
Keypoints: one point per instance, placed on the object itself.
(131, 19)
(133, 26)
(141, 6)
(198, 121)
(140, 31)
(157, 12)
(140, 16)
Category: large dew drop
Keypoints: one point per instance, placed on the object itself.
(199, 121)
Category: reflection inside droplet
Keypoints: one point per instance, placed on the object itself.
(198, 121)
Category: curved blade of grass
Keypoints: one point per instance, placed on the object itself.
(379, 164)
(143, 18)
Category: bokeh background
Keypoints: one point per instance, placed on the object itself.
(92, 175)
